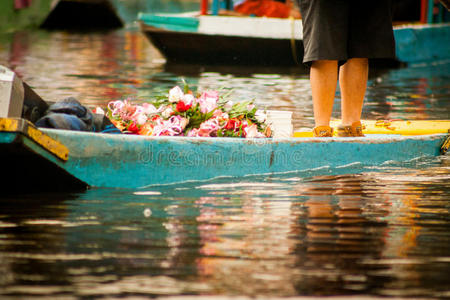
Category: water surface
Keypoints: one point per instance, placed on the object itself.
(356, 230)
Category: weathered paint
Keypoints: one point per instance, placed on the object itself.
(179, 23)
(129, 161)
(26, 128)
(422, 43)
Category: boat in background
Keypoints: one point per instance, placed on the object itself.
(83, 15)
(422, 43)
(245, 40)
(222, 40)
(58, 14)
(16, 14)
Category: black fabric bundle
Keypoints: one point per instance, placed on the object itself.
(70, 114)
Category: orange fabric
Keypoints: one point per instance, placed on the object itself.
(264, 8)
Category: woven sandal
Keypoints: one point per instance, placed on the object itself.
(353, 130)
(323, 131)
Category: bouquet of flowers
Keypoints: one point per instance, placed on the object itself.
(181, 113)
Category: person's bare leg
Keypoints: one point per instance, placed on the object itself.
(353, 82)
(323, 77)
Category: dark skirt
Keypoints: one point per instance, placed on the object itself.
(344, 29)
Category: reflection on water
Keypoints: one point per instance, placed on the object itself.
(377, 231)
(382, 231)
(97, 68)
(128, 9)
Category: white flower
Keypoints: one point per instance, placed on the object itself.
(260, 116)
(167, 112)
(99, 111)
(188, 99)
(141, 119)
(149, 108)
(175, 94)
(228, 105)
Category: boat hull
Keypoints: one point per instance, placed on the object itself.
(418, 44)
(32, 161)
(225, 40)
(195, 48)
(51, 159)
(252, 41)
(96, 15)
(128, 161)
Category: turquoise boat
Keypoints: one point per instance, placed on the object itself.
(244, 40)
(50, 159)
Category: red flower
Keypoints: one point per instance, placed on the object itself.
(231, 124)
(133, 128)
(181, 107)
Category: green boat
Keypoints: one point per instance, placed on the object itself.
(51, 159)
(28, 15)
(58, 14)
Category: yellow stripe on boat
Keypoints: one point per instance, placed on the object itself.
(393, 127)
(27, 128)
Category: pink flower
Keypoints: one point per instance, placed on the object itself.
(217, 113)
(208, 101)
(174, 126)
(116, 107)
(193, 132)
(122, 109)
(149, 109)
(178, 122)
(175, 94)
(209, 127)
(139, 116)
(252, 132)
